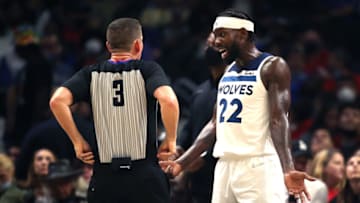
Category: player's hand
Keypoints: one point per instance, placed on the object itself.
(294, 181)
(83, 152)
(171, 167)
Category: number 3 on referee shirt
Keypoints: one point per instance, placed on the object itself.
(118, 100)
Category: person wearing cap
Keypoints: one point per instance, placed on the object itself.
(301, 153)
(61, 181)
(250, 122)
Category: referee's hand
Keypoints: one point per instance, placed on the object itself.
(167, 150)
(83, 152)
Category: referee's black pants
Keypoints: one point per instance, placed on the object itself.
(143, 183)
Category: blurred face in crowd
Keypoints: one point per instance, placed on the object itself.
(321, 140)
(349, 119)
(51, 46)
(334, 170)
(353, 167)
(331, 120)
(88, 172)
(6, 171)
(300, 163)
(14, 153)
(5, 176)
(42, 159)
(296, 60)
(61, 189)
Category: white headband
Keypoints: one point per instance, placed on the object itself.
(233, 23)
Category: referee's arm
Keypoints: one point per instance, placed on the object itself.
(60, 104)
(169, 108)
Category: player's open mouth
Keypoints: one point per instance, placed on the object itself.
(223, 53)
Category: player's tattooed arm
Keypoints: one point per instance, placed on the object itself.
(276, 77)
(205, 139)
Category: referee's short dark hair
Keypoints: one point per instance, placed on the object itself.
(122, 32)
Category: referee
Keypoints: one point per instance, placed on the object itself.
(123, 92)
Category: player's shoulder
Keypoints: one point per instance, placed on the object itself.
(275, 61)
(275, 69)
(275, 65)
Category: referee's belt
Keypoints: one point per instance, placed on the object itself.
(124, 163)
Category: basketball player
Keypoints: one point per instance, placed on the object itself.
(250, 122)
(123, 92)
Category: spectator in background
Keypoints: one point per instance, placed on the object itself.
(61, 181)
(296, 62)
(321, 139)
(357, 152)
(9, 192)
(201, 109)
(37, 171)
(351, 192)
(27, 99)
(316, 54)
(328, 166)
(327, 117)
(48, 134)
(52, 49)
(302, 158)
(82, 183)
(93, 52)
(347, 138)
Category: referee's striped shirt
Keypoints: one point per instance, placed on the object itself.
(123, 106)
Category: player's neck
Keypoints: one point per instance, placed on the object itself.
(249, 55)
(124, 56)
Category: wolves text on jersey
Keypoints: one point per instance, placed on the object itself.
(236, 89)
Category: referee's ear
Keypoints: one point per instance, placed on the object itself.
(108, 46)
(138, 47)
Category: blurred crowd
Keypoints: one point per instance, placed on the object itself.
(42, 43)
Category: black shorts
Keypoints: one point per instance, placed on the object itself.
(143, 183)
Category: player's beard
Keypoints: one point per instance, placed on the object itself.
(234, 52)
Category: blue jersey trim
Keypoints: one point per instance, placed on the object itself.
(252, 65)
(250, 78)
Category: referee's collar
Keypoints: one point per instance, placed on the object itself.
(112, 61)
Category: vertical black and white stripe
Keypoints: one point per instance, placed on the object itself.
(121, 131)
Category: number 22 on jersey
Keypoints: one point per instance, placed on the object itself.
(234, 116)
